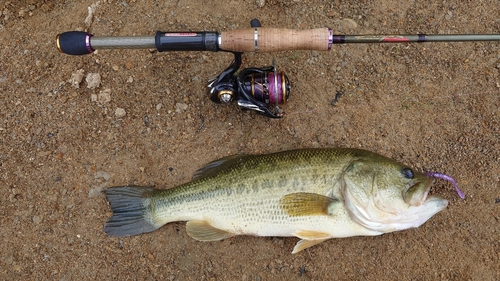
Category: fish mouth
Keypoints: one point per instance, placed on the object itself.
(418, 193)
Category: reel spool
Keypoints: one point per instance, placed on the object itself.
(268, 87)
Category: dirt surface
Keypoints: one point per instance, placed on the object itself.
(433, 106)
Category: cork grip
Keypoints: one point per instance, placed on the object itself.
(274, 40)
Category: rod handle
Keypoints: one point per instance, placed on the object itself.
(266, 40)
(74, 43)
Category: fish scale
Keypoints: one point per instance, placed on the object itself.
(208, 193)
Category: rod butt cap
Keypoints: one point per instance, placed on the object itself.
(74, 43)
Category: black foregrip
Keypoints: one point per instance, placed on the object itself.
(74, 43)
(187, 41)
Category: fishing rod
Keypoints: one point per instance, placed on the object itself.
(255, 89)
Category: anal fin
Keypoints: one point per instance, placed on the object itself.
(303, 244)
(309, 239)
(202, 230)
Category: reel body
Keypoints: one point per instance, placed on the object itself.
(253, 88)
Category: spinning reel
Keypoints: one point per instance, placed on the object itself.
(253, 88)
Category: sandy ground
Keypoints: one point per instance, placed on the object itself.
(433, 106)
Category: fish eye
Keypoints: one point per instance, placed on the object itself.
(408, 173)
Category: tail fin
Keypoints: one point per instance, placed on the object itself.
(130, 211)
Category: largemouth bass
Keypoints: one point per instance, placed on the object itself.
(313, 194)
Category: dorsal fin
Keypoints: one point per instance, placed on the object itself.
(215, 167)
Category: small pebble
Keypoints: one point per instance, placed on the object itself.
(95, 191)
(261, 3)
(104, 96)
(120, 112)
(348, 24)
(76, 78)
(448, 16)
(93, 80)
(37, 219)
(101, 174)
(180, 107)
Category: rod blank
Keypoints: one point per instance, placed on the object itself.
(339, 39)
(123, 42)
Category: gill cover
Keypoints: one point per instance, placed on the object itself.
(381, 198)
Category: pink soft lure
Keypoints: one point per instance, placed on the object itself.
(448, 178)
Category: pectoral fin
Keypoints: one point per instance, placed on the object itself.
(303, 244)
(306, 204)
(203, 231)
